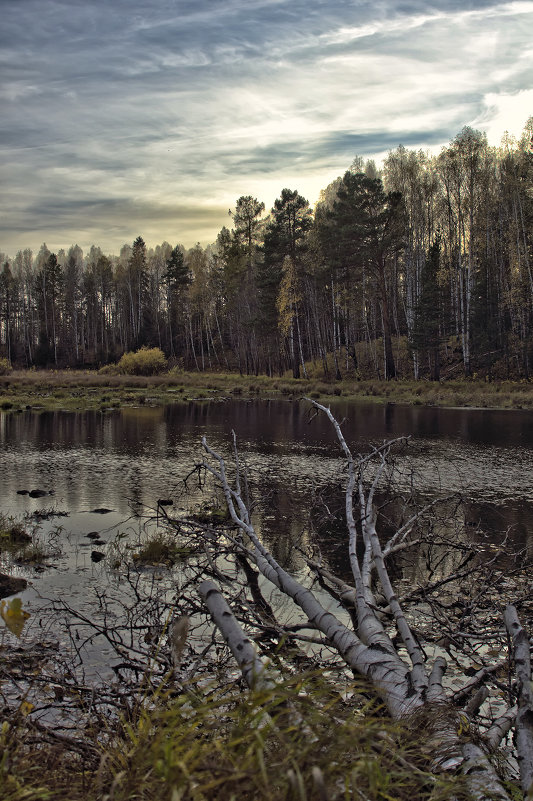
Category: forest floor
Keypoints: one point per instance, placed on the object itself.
(76, 390)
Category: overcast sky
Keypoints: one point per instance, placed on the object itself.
(121, 118)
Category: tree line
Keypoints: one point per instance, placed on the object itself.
(415, 270)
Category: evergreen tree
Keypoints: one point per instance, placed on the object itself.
(48, 290)
(138, 287)
(177, 279)
(7, 310)
(366, 229)
(285, 237)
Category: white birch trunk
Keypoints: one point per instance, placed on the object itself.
(524, 717)
(242, 648)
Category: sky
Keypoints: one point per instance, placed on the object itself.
(124, 118)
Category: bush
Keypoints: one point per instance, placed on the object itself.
(109, 369)
(5, 366)
(146, 361)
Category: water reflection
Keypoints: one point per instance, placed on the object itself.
(124, 460)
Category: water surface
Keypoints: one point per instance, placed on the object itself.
(126, 460)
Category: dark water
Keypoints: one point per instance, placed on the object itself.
(125, 460)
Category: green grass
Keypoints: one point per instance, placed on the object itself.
(207, 744)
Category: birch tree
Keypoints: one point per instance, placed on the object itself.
(370, 629)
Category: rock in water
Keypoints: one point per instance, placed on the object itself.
(9, 585)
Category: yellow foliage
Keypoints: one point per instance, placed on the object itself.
(288, 297)
(26, 708)
(14, 615)
(146, 361)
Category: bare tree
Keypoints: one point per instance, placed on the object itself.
(377, 639)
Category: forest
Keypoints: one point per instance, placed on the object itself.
(420, 269)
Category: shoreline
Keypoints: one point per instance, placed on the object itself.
(73, 390)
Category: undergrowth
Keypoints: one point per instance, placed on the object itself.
(204, 744)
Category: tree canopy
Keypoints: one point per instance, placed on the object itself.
(402, 271)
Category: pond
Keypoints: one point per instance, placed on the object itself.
(99, 473)
(125, 460)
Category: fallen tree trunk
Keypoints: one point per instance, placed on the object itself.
(524, 715)
(252, 668)
(407, 683)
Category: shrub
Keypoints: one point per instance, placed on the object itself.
(146, 361)
(5, 366)
(109, 369)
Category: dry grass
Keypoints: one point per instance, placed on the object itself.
(77, 390)
(160, 549)
(13, 534)
(214, 745)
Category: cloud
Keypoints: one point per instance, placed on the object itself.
(115, 114)
(505, 112)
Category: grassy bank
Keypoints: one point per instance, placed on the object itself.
(211, 745)
(77, 390)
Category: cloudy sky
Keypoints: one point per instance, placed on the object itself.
(123, 118)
